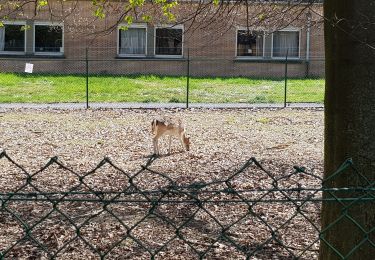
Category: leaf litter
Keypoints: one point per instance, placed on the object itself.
(221, 142)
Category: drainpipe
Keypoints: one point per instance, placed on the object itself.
(308, 43)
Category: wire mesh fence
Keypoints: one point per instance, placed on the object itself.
(183, 80)
(109, 213)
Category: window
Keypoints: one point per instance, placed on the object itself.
(132, 42)
(48, 39)
(284, 41)
(250, 43)
(168, 41)
(12, 38)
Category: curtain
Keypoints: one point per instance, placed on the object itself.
(283, 41)
(133, 41)
(2, 38)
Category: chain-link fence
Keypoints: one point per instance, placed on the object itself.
(184, 80)
(109, 213)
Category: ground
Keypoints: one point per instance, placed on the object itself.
(220, 138)
(222, 141)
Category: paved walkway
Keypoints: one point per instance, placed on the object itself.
(153, 105)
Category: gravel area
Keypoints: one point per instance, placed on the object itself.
(222, 140)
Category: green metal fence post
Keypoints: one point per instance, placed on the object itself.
(87, 78)
(286, 76)
(188, 79)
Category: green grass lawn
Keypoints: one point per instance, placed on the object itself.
(34, 88)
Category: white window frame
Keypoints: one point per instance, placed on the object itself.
(136, 25)
(250, 57)
(24, 47)
(60, 53)
(178, 26)
(292, 29)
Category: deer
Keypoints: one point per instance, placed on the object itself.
(166, 126)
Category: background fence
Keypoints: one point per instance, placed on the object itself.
(187, 80)
(110, 213)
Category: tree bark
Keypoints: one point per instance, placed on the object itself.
(349, 126)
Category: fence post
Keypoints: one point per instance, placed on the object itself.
(286, 76)
(87, 78)
(188, 79)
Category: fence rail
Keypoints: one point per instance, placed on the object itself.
(110, 213)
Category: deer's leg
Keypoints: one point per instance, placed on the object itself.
(182, 141)
(156, 145)
(170, 141)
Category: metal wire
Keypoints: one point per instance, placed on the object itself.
(203, 219)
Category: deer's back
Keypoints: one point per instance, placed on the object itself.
(169, 126)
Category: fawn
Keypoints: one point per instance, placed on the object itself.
(166, 126)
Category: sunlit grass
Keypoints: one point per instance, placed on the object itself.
(34, 88)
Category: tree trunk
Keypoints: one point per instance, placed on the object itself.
(349, 126)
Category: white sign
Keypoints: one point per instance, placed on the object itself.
(29, 68)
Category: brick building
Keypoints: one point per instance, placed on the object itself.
(222, 46)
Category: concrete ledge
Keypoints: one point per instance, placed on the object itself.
(154, 105)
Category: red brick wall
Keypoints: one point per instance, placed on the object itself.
(211, 46)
